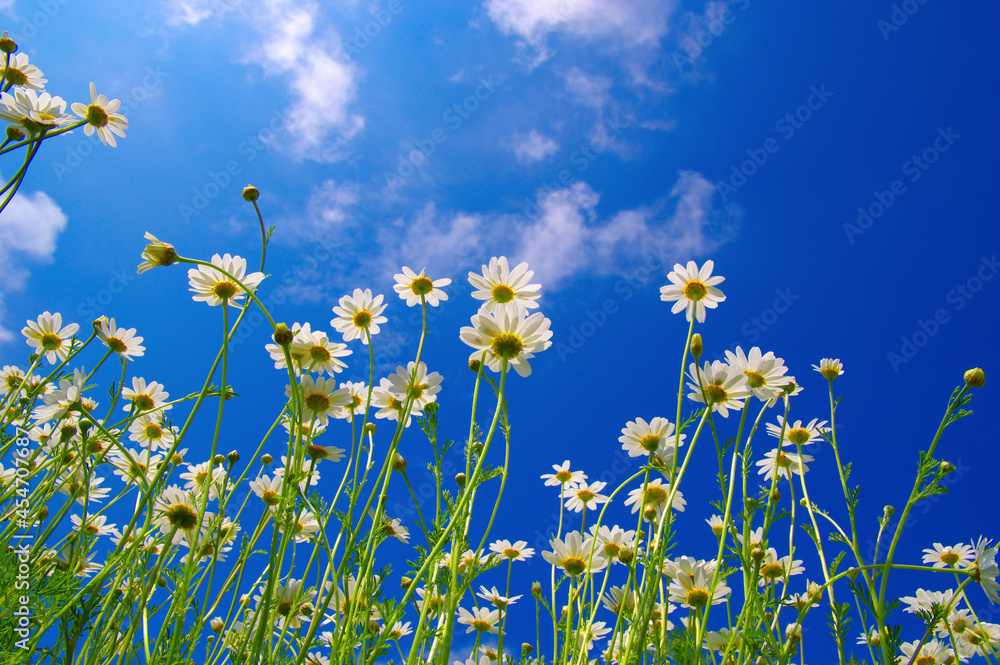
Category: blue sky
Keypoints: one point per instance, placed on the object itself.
(835, 161)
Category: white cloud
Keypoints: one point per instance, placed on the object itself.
(29, 227)
(446, 246)
(636, 22)
(568, 238)
(533, 148)
(321, 78)
(329, 208)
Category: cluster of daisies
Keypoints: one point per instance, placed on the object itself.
(31, 111)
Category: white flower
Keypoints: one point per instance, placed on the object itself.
(692, 289)
(782, 463)
(319, 398)
(415, 382)
(480, 619)
(774, 570)
(22, 73)
(652, 501)
(49, 337)
(157, 253)
(830, 368)
(314, 352)
(499, 286)
(928, 601)
(100, 115)
(149, 430)
(33, 111)
(986, 570)
(496, 598)
(563, 475)
(145, 397)
(694, 592)
(931, 653)
(508, 332)
(642, 439)
(359, 313)
(413, 288)
(513, 551)
(584, 496)
(719, 385)
(952, 556)
(797, 434)
(95, 526)
(573, 554)
(124, 342)
(213, 287)
(765, 373)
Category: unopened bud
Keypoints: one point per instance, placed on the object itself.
(649, 513)
(975, 378)
(266, 459)
(775, 496)
(474, 365)
(399, 463)
(85, 426)
(757, 553)
(640, 536)
(250, 193)
(7, 45)
(97, 324)
(477, 448)
(626, 556)
(219, 460)
(282, 335)
(526, 649)
(217, 624)
(431, 408)
(815, 592)
(405, 582)
(233, 457)
(803, 502)
(43, 513)
(888, 511)
(161, 582)
(536, 589)
(946, 467)
(460, 479)
(370, 429)
(696, 345)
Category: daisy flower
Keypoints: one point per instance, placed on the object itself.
(572, 555)
(11, 380)
(391, 407)
(563, 475)
(149, 430)
(144, 396)
(22, 73)
(774, 570)
(49, 337)
(176, 511)
(782, 463)
(716, 524)
(213, 287)
(197, 475)
(986, 569)
(157, 253)
(304, 526)
(357, 594)
(267, 489)
(579, 497)
(33, 111)
(296, 352)
(722, 640)
(495, 598)
(292, 603)
(926, 602)
(399, 630)
(100, 115)
(95, 526)
(415, 382)
(953, 556)
(57, 402)
(720, 386)
(688, 566)
(499, 286)
(653, 499)
(612, 540)
(932, 652)
(314, 352)
(692, 289)
(598, 631)
(135, 468)
(765, 373)
(81, 489)
(412, 287)
(513, 551)
(125, 343)
(357, 314)
(317, 452)
(873, 638)
(480, 620)
(830, 368)
(320, 398)
(642, 439)
(358, 393)
(510, 333)
(796, 433)
(619, 598)
(694, 592)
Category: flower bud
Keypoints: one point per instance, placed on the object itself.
(233, 457)
(370, 429)
(85, 426)
(405, 582)
(398, 463)
(217, 624)
(282, 335)
(14, 133)
(460, 479)
(526, 649)
(161, 582)
(947, 467)
(177, 459)
(266, 459)
(640, 536)
(626, 556)
(43, 512)
(477, 447)
(975, 378)
(474, 365)
(696, 345)
(757, 553)
(815, 591)
(250, 193)
(536, 589)
(432, 408)
(775, 496)
(803, 502)
(888, 511)
(219, 460)
(649, 513)
(7, 45)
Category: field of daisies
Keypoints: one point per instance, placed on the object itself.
(124, 542)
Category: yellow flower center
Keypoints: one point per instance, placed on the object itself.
(319, 354)
(715, 394)
(502, 293)
(116, 345)
(507, 344)
(153, 431)
(421, 286)
(798, 435)
(564, 476)
(697, 597)
(317, 403)
(270, 498)
(754, 379)
(585, 495)
(511, 553)
(480, 625)
(16, 76)
(142, 402)
(650, 442)
(655, 495)
(695, 290)
(316, 452)
(51, 341)
(182, 516)
(96, 115)
(574, 565)
(772, 571)
(362, 318)
(224, 290)
(950, 558)
(784, 461)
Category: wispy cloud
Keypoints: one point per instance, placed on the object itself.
(29, 228)
(532, 148)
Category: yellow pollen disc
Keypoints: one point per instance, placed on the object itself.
(421, 286)
(798, 436)
(224, 290)
(316, 452)
(784, 461)
(950, 558)
(317, 403)
(502, 293)
(508, 344)
(270, 498)
(96, 115)
(697, 597)
(16, 76)
(395, 403)
(181, 516)
(650, 442)
(754, 379)
(695, 290)
(51, 341)
(362, 318)
(142, 402)
(585, 495)
(153, 431)
(772, 570)
(715, 394)
(655, 495)
(574, 565)
(511, 554)
(319, 354)
(116, 345)
(416, 391)
(480, 625)
(564, 476)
